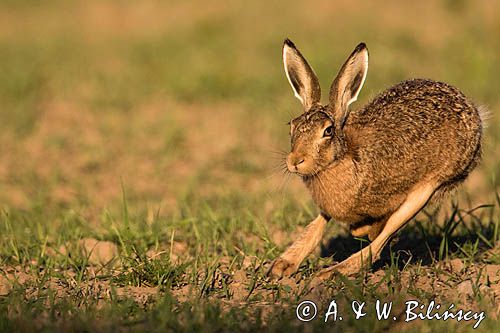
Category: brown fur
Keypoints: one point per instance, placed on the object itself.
(417, 132)
(418, 129)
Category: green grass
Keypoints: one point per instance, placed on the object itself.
(83, 296)
(158, 128)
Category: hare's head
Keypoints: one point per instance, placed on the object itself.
(317, 137)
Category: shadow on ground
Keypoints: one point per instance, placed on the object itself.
(412, 244)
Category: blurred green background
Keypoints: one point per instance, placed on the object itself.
(164, 94)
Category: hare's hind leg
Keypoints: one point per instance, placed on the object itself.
(376, 229)
(372, 230)
(413, 203)
(290, 260)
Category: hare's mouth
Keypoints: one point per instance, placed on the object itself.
(300, 165)
(309, 175)
(304, 171)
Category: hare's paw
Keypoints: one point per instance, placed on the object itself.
(282, 267)
(350, 266)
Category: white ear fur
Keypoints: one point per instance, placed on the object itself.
(286, 54)
(364, 63)
(301, 76)
(348, 83)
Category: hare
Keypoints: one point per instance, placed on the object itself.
(376, 167)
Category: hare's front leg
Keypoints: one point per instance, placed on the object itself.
(414, 202)
(290, 260)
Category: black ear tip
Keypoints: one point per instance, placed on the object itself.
(289, 43)
(361, 46)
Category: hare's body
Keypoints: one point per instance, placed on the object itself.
(374, 168)
(399, 139)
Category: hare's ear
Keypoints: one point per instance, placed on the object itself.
(301, 76)
(348, 83)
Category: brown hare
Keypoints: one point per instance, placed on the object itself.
(376, 167)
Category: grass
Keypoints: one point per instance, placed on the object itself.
(202, 287)
(153, 130)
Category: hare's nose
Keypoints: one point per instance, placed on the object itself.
(293, 162)
(301, 161)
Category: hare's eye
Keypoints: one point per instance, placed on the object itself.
(328, 131)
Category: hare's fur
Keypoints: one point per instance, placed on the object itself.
(376, 167)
